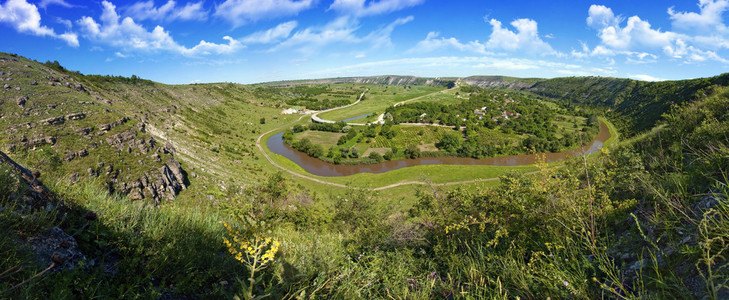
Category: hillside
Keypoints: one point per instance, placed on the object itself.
(114, 187)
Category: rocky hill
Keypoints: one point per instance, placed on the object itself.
(85, 129)
(389, 80)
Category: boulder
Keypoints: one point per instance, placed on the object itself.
(77, 116)
(52, 121)
(57, 247)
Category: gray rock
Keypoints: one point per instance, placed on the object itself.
(84, 131)
(56, 246)
(77, 116)
(53, 121)
(22, 100)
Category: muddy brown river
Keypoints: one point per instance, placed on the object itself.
(319, 167)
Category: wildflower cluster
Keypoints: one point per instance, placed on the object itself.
(256, 250)
(252, 249)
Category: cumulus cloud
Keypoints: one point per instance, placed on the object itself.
(239, 12)
(130, 36)
(24, 17)
(525, 38)
(695, 36)
(168, 12)
(708, 19)
(277, 33)
(362, 8)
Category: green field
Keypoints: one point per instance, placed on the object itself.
(377, 99)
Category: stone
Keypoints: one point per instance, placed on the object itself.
(53, 121)
(57, 247)
(6, 86)
(21, 101)
(77, 116)
(34, 82)
(82, 153)
(84, 131)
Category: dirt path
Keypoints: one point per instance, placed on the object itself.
(315, 117)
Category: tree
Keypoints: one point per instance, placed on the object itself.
(375, 156)
(412, 151)
(353, 152)
(389, 155)
(263, 120)
(449, 143)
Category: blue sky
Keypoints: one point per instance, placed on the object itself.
(249, 41)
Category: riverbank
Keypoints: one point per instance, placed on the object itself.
(435, 174)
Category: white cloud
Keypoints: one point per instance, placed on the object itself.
(168, 12)
(381, 37)
(24, 17)
(506, 65)
(340, 30)
(434, 42)
(645, 77)
(708, 21)
(65, 22)
(601, 16)
(697, 38)
(239, 12)
(277, 33)
(359, 8)
(46, 3)
(128, 35)
(453, 66)
(525, 38)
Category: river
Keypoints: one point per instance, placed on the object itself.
(319, 167)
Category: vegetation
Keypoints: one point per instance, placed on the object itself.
(646, 218)
(494, 122)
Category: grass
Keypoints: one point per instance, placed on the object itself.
(377, 99)
(325, 139)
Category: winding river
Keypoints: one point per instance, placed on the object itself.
(318, 167)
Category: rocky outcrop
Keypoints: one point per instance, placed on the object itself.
(40, 141)
(53, 247)
(77, 116)
(58, 247)
(127, 141)
(109, 126)
(162, 185)
(389, 80)
(53, 121)
(498, 81)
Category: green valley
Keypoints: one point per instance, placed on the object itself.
(121, 187)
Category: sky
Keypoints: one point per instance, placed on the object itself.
(251, 41)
